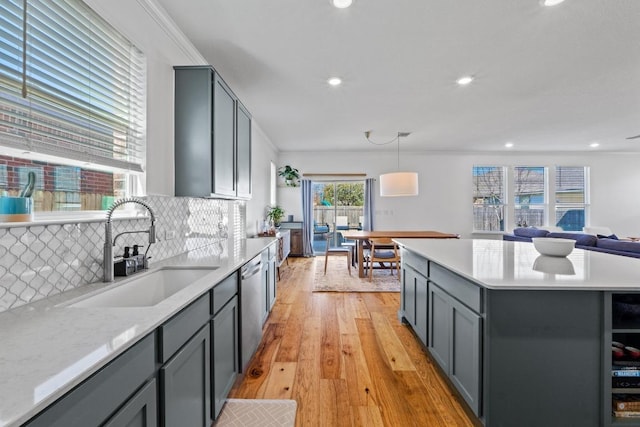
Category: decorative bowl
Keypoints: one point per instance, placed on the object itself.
(552, 246)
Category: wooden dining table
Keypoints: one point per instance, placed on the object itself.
(361, 236)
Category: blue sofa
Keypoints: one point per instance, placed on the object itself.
(606, 244)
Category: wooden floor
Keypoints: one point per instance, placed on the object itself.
(346, 359)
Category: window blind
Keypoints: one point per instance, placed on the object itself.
(84, 85)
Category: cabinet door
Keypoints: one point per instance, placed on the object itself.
(272, 284)
(439, 321)
(465, 353)
(296, 242)
(224, 108)
(193, 125)
(243, 149)
(264, 289)
(139, 411)
(421, 308)
(409, 295)
(224, 343)
(186, 383)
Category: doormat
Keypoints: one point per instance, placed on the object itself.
(338, 279)
(257, 413)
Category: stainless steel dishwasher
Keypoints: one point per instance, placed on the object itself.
(250, 309)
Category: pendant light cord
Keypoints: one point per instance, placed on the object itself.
(367, 134)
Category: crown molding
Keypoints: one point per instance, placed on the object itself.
(171, 29)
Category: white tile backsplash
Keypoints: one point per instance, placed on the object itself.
(44, 260)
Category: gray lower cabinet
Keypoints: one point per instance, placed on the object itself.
(269, 272)
(439, 326)
(185, 375)
(185, 398)
(414, 301)
(272, 282)
(224, 342)
(455, 343)
(140, 411)
(465, 367)
(115, 386)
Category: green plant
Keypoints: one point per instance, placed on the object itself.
(275, 214)
(290, 175)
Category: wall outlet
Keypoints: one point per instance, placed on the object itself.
(169, 234)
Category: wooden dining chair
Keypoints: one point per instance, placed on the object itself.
(383, 249)
(336, 250)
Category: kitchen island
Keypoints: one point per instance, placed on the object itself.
(524, 339)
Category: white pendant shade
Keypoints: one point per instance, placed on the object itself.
(399, 184)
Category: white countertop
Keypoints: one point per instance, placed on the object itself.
(497, 264)
(47, 348)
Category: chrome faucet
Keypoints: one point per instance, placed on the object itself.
(110, 242)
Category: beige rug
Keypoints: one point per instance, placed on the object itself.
(257, 413)
(337, 278)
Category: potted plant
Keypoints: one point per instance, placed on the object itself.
(291, 175)
(275, 214)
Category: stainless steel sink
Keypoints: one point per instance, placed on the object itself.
(145, 290)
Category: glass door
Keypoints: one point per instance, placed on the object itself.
(337, 206)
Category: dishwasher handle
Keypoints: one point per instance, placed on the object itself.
(252, 268)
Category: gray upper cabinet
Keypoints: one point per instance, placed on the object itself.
(224, 112)
(212, 137)
(243, 140)
(193, 127)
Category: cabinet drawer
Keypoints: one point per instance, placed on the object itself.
(416, 261)
(182, 326)
(465, 291)
(224, 291)
(93, 401)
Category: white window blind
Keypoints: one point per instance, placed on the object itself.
(71, 86)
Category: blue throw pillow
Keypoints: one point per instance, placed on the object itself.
(602, 236)
(530, 232)
(580, 238)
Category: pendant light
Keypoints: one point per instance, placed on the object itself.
(397, 184)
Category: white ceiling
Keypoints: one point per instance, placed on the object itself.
(546, 78)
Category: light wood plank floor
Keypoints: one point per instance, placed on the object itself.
(346, 359)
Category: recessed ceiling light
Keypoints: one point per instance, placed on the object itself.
(594, 144)
(341, 4)
(465, 80)
(335, 81)
(509, 144)
(551, 2)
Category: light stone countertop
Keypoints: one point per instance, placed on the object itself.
(506, 265)
(47, 348)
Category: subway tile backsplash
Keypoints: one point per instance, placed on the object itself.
(37, 261)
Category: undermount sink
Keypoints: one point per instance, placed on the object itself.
(146, 290)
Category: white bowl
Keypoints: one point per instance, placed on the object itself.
(553, 246)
